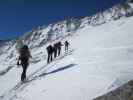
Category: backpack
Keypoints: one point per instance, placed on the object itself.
(24, 52)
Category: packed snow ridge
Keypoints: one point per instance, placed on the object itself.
(99, 58)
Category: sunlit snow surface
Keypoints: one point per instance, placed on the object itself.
(100, 59)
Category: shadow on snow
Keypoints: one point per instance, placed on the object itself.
(6, 70)
(52, 72)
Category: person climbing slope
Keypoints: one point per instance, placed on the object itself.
(66, 43)
(59, 47)
(55, 50)
(50, 53)
(24, 55)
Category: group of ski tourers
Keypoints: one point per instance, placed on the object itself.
(53, 51)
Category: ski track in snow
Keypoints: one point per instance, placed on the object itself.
(41, 72)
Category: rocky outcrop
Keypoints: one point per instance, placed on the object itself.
(124, 92)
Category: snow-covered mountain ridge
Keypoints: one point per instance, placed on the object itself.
(99, 60)
(41, 35)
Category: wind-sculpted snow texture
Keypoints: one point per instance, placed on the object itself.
(99, 60)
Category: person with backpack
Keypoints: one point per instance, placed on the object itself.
(50, 53)
(55, 50)
(59, 47)
(66, 46)
(24, 55)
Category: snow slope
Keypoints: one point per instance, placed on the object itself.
(99, 60)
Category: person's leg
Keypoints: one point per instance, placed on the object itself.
(23, 75)
(51, 57)
(58, 52)
(67, 48)
(48, 58)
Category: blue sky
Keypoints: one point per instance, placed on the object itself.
(20, 16)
